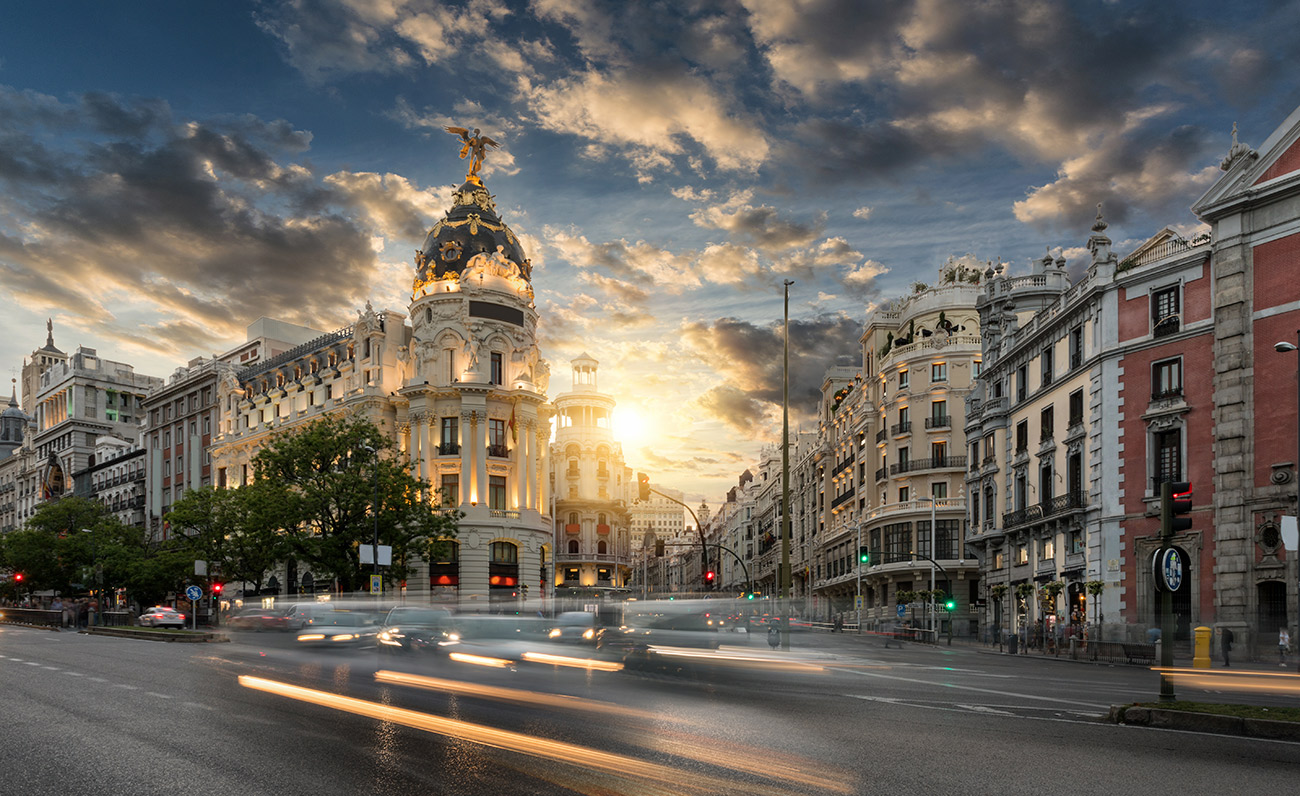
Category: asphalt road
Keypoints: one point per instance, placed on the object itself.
(95, 715)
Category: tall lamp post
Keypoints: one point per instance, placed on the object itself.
(98, 570)
(1282, 348)
(785, 478)
(374, 510)
(934, 553)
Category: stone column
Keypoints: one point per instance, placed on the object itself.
(520, 466)
(530, 469)
(480, 460)
(465, 439)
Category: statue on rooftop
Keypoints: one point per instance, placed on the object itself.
(474, 146)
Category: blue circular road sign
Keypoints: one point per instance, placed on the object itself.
(194, 592)
(1170, 569)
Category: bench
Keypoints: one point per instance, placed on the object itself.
(1140, 653)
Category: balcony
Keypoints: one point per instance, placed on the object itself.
(882, 435)
(499, 451)
(1044, 510)
(881, 473)
(934, 463)
(1168, 392)
(604, 558)
(573, 528)
(448, 449)
(842, 466)
(1167, 326)
(508, 514)
(842, 499)
(938, 422)
(899, 429)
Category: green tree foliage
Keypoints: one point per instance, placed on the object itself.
(319, 483)
(239, 532)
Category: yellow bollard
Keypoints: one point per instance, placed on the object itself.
(1201, 658)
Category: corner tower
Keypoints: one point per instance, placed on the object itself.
(592, 521)
(476, 420)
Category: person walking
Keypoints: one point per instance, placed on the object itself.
(1283, 645)
(839, 624)
(1225, 644)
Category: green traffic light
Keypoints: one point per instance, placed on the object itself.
(951, 605)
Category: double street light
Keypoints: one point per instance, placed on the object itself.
(1284, 347)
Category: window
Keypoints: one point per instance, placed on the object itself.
(939, 414)
(505, 553)
(997, 388)
(1022, 491)
(903, 459)
(904, 494)
(974, 507)
(1048, 362)
(1164, 312)
(495, 376)
(1049, 549)
(1169, 456)
(1076, 408)
(1076, 347)
(1022, 388)
(988, 504)
(496, 437)
(1022, 554)
(1167, 378)
(496, 492)
(450, 436)
(939, 454)
(902, 378)
(1076, 542)
(1022, 436)
(1047, 422)
(999, 560)
(976, 368)
(939, 491)
(449, 356)
(939, 371)
(988, 448)
(450, 489)
(1045, 476)
(573, 551)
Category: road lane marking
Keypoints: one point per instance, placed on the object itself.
(74, 674)
(31, 663)
(98, 679)
(51, 668)
(976, 689)
(156, 694)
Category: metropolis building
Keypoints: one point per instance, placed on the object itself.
(458, 383)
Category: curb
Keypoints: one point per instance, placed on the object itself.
(1204, 722)
(146, 635)
(25, 624)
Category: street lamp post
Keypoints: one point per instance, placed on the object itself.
(374, 511)
(785, 478)
(1284, 347)
(99, 589)
(857, 606)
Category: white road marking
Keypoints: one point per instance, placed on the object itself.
(31, 663)
(74, 674)
(984, 709)
(99, 679)
(51, 668)
(881, 676)
(160, 696)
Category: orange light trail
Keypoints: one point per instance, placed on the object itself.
(511, 694)
(479, 660)
(740, 661)
(577, 663)
(572, 754)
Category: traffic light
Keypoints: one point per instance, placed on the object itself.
(18, 577)
(709, 578)
(950, 603)
(659, 548)
(643, 486)
(216, 589)
(1175, 503)
(864, 556)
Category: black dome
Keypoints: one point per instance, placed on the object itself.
(470, 227)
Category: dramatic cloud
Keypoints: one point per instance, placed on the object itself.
(190, 229)
(753, 389)
(760, 226)
(637, 262)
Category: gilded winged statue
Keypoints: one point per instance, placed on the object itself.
(474, 147)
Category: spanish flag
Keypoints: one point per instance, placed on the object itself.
(514, 432)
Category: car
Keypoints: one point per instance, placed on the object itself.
(258, 619)
(644, 630)
(415, 629)
(340, 628)
(163, 616)
(576, 627)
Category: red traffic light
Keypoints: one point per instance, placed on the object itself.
(18, 577)
(216, 588)
(710, 575)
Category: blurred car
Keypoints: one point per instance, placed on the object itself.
(259, 619)
(415, 629)
(162, 616)
(575, 627)
(644, 630)
(340, 628)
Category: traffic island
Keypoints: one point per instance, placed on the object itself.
(1281, 724)
(157, 634)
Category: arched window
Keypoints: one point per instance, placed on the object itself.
(602, 547)
(505, 553)
(573, 518)
(573, 547)
(600, 519)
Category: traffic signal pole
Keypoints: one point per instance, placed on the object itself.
(1166, 596)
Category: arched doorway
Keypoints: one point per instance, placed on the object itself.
(444, 572)
(1270, 601)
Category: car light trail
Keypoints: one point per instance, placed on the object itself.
(739, 661)
(1242, 681)
(577, 663)
(513, 695)
(479, 660)
(674, 781)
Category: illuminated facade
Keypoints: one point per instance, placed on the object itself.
(593, 527)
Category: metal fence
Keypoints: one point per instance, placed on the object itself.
(31, 616)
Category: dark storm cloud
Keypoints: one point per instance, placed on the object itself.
(754, 357)
(200, 221)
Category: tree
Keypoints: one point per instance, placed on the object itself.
(320, 483)
(239, 532)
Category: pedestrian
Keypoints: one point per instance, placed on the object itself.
(1225, 644)
(773, 635)
(1283, 645)
(57, 605)
(839, 624)
(83, 612)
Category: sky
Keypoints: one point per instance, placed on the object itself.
(170, 172)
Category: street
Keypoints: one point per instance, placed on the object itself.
(88, 715)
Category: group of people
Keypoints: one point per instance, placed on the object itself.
(75, 612)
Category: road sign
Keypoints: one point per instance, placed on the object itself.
(376, 584)
(194, 592)
(857, 602)
(902, 611)
(1167, 566)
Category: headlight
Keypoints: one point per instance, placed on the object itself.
(589, 634)
(311, 637)
(385, 636)
(555, 632)
(343, 637)
(453, 637)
